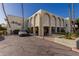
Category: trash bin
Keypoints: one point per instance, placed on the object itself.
(77, 44)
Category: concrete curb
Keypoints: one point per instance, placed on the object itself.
(75, 49)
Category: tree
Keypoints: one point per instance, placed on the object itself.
(0, 25)
(77, 22)
(2, 28)
(22, 15)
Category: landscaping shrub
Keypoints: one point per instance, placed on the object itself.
(68, 35)
(71, 36)
(77, 32)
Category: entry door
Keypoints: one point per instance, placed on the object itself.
(46, 31)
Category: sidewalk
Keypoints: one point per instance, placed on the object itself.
(62, 41)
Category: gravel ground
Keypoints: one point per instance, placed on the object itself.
(32, 46)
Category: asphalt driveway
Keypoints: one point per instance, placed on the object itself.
(32, 46)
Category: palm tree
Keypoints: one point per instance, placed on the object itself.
(73, 16)
(70, 16)
(6, 16)
(22, 15)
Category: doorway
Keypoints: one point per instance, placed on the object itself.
(36, 30)
(53, 30)
(46, 31)
(31, 29)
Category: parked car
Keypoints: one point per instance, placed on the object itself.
(16, 32)
(23, 33)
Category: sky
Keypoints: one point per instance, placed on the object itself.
(60, 9)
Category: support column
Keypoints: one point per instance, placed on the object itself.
(50, 25)
(50, 31)
(60, 29)
(34, 30)
(61, 21)
(55, 24)
(34, 26)
(55, 29)
(41, 31)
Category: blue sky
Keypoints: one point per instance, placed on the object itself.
(60, 9)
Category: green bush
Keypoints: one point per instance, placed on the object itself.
(77, 32)
(68, 35)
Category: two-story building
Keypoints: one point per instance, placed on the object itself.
(45, 23)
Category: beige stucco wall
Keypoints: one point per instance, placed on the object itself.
(45, 20)
(37, 19)
(14, 19)
(53, 21)
(42, 19)
(32, 22)
(58, 22)
(62, 22)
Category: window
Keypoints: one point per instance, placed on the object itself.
(16, 23)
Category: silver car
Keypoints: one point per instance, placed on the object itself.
(22, 33)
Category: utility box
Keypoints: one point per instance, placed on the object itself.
(77, 44)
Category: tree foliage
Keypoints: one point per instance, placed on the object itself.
(77, 20)
(2, 28)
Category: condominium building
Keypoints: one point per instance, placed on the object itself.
(15, 23)
(45, 23)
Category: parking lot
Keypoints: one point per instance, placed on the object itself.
(14, 45)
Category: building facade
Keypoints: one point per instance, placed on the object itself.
(15, 23)
(40, 23)
(45, 23)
